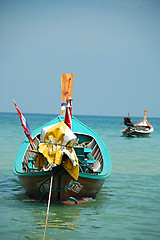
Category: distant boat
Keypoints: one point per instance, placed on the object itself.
(69, 151)
(143, 128)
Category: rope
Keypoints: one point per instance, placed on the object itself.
(38, 189)
(60, 118)
(57, 190)
(49, 199)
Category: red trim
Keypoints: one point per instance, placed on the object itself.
(148, 124)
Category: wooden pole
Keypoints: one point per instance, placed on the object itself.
(49, 199)
(30, 141)
(67, 87)
(145, 116)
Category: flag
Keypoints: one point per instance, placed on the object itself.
(68, 113)
(24, 123)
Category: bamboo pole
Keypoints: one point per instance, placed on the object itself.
(49, 199)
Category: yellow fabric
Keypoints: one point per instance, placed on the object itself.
(71, 154)
(39, 161)
(57, 141)
(56, 132)
(50, 151)
(73, 171)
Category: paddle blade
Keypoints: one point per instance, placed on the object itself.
(67, 87)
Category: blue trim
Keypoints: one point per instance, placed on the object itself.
(63, 104)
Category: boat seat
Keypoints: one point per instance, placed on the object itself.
(87, 150)
(89, 161)
(81, 157)
(80, 153)
(31, 162)
(84, 155)
(79, 150)
(90, 157)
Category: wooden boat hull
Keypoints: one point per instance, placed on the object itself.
(64, 187)
(36, 183)
(130, 133)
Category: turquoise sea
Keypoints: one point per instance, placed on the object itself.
(127, 207)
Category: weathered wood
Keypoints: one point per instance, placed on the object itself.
(67, 87)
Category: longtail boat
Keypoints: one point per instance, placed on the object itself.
(66, 149)
(142, 128)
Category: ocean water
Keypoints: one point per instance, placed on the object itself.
(127, 207)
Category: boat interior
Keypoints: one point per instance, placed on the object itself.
(142, 128)
(87, 150)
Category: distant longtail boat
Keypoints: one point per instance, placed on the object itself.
(143, 128)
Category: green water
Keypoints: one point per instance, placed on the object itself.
(127, 207)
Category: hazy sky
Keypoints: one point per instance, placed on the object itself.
(112, 47)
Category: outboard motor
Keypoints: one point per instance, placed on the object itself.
(128, 122)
